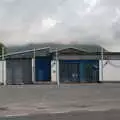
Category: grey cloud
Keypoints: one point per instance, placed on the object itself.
(91, 21)
(110, 3)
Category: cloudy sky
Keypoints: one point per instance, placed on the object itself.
(63, 21)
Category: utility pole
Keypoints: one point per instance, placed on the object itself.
(33, 65)
(3, 67)
(102, 65)
(57, 69)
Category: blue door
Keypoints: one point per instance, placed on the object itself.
(79, 70)
(43, 69)
(69, 71)
(91, 68)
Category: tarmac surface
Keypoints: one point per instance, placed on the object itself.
(78, 101)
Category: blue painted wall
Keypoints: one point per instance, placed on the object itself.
(43, 69)
(82, 71)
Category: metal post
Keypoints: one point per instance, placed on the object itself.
(102, 58)
(57, 69)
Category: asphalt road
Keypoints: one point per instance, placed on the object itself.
(106, 115)
(85, 101)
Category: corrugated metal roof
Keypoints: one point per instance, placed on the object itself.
(43, 50)
(82, 47)
(85, 48)
(28, 53)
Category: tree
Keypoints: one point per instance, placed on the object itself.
(1, 46)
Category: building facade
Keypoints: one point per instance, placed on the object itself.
(76, 66)
(68, 65)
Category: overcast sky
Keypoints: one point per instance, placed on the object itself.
(84, 21)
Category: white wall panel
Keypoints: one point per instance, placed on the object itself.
(111, 70)
(53, 71)
(2, 72)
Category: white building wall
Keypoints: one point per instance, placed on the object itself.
(53, 71)
(3, 72)
(1, 76)
(111, 70)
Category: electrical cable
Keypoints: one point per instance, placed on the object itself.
(114, 65)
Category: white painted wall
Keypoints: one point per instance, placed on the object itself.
(111, 70)
(53, 71)
(1, 76)
(3, 72)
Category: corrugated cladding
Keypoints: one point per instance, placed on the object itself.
(19, 71)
